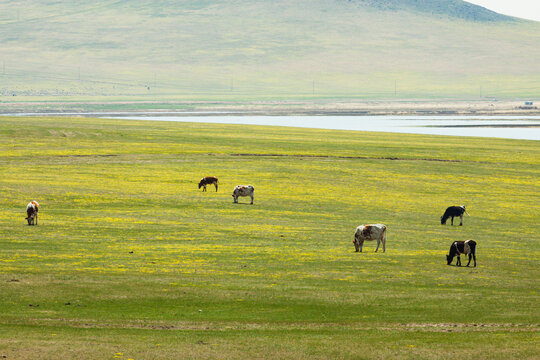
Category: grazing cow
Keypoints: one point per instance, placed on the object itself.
(462, 247)
(243, 190)
(208, 180)
(32, 212)
(369, 233)
(454, 211)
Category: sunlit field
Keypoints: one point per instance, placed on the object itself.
(130, 260)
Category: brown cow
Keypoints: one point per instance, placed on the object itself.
(31, 212)
(207, 181)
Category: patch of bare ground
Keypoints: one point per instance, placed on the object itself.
(463, 327)
(350, 157)
(87, 156)
(142, 157)
(228, 326)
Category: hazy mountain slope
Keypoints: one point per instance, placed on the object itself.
(452, 8)
(261, 48)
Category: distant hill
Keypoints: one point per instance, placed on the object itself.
(451, 8)
(266, 49)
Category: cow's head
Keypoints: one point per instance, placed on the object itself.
(201, 183)
(443, 220)
(30, 219)
(449, 259)
(356, 245)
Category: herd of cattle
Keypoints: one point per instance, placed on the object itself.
(372, 232)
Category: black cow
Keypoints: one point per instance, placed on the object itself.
(462, 247)
(208, 180)
(454, 211)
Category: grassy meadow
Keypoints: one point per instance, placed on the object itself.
(131, 261)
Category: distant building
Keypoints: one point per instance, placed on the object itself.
(528, 105)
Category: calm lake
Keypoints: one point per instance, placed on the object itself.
(510, 127)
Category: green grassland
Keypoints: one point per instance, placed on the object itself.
(131, 261)
(244, 49)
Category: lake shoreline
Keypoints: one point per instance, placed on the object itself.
(322, 107)
(268, 113)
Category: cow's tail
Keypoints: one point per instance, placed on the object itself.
(384, 239)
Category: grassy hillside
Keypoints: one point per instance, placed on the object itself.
(262, 49)
(131, 261)
(449, 8)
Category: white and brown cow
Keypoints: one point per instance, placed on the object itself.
(370, 233)
(243, 190)
(458, 248)
(32, 212)
(208, 180)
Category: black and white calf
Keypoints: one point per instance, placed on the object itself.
(454, 211)
(462, 247)
(208, 180)
(369, 233)
(32, 212)
(243, 190)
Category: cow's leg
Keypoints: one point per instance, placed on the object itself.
(204, 188)
(378, 243)
(251, 199)
(458, 262)
(461, 220)
(384, 243)
(452, 221)
(474, 257)
(36, 218)
(361, 244)
(235, 199)
(470, 257)
(215, 185)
